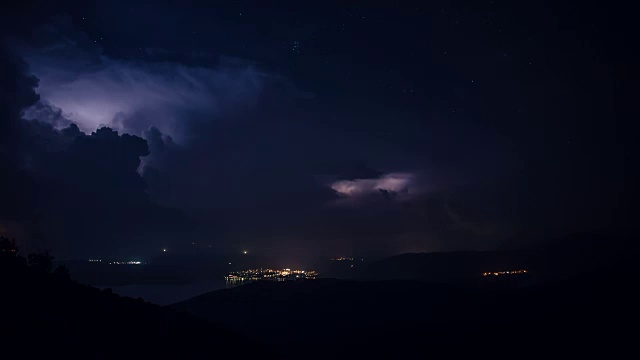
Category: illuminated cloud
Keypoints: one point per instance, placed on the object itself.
(92, 89)
(392, 183)
(131, 96)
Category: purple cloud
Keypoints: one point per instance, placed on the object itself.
(400, 185)
(92, 89)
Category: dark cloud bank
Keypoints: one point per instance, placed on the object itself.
(248, 178)
(109, 156)
(66, 190)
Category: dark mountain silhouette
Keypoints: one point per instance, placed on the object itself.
(46, 315)
(330, 318)
(556, 260)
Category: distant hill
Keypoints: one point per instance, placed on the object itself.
(44, 315)
(330, 318)
(557, 260)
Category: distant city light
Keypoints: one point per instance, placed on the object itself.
(510, 272)
(270, 274)
(342, 259)
(118, 262)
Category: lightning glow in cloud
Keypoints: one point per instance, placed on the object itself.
(154, 93)
(92, 89)
(393, 182)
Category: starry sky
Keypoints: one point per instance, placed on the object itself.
(313, 128)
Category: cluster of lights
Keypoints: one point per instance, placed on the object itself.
(498, 273)
(270, 274)
(125, 263)
(117, 262)
(342, 259)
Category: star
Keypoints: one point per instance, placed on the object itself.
(296, 46)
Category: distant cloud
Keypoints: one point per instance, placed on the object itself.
(388, 185)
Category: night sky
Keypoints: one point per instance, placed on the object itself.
(314, 128)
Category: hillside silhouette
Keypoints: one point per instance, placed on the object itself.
(584, 316)
(46, 315)
(551, 261)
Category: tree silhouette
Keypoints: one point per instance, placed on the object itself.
(62, 272)
(41, 261)
(8, 247)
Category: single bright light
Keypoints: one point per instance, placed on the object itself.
(244, 252)
(164, 250)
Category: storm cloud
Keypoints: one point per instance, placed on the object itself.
(92, 89)
(229, 152)
(72, 192)
(229, 146)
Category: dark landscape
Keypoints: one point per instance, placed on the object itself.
(45, 314)
(499, 316)
(246, 179)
